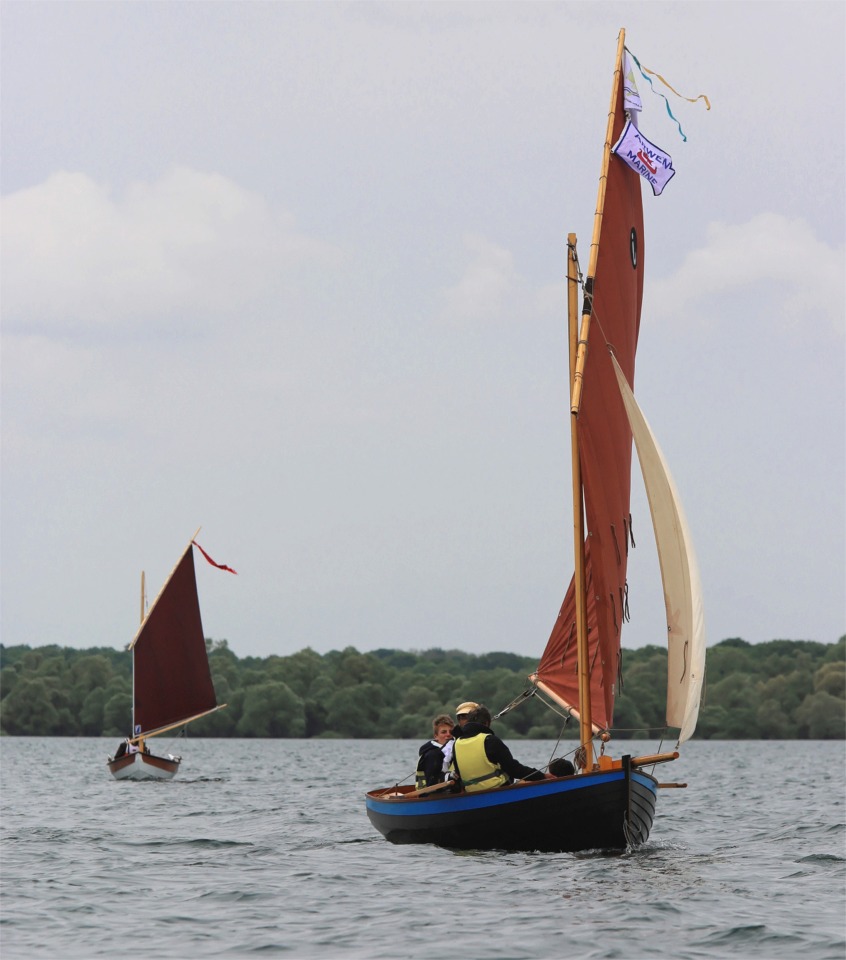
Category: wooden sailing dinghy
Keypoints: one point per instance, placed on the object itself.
(607, 803)
(171, 679)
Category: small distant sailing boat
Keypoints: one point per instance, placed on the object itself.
(171, 679)
(605, 803)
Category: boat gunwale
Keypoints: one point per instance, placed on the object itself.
(514, 793)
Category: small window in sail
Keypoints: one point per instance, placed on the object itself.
(633, 247)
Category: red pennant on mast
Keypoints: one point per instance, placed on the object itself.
(220, 566)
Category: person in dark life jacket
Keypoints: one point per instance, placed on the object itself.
(124, 747)
(433, 764)
(483, 761)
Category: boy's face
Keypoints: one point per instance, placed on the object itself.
(443, 733)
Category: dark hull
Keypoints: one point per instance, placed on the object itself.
(610, 810)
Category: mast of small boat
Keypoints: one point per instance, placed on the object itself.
(587, 306)
(143, 597)
(143, 611)
(585, 729)
(578, 357)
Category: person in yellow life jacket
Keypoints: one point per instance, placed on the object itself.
(483, 761)
(463, 711)
(462, 715)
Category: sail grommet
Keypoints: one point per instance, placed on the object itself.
(633, 247)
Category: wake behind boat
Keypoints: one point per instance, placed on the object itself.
(171, 680)
(607, 803)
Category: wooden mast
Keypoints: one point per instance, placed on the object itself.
(587, 306)
(585, 725)
(143, 598)
(143, 611)
(578, 357)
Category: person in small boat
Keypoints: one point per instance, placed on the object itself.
(561, 767)
(124, 747)
(483, 761)
(433, 763)
(462, 713)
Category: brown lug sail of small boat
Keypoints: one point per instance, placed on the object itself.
(171, 680)
(606, 803)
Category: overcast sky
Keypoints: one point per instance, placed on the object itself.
(293, 272)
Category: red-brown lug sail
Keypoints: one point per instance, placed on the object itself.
(171, 668)
(605, 443)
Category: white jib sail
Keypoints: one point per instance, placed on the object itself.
(679, 573)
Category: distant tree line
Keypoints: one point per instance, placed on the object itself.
(784, 689)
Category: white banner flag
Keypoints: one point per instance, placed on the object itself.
(651, 162)
(631, 98)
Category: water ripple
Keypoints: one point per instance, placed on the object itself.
(227, 863)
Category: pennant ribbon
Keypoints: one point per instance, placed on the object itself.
(644, 71)
(220, 566)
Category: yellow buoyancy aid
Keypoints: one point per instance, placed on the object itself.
(477, 772)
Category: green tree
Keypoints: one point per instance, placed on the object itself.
(299, 671)
(752, 690)
(117, 714)
(408, 726)
(628, 722)
(727, 659)
(317, 702)
(644, 685)
(87, 675)
(713, 724)
(354, 711)
(831, 678)
(351, 667)
(821, 717)
(837, 651)
(739, 700)
(28, 711)
(221, 723)
(774, 722)
(271, 710)
(419, 700)
(91, 714)
(8, 678)
(787, 690)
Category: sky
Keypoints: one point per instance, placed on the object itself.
(293, 273)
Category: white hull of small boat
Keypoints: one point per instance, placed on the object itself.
(144, 766)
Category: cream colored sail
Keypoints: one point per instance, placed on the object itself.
(679, 574)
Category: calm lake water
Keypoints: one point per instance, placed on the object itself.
(263, 848)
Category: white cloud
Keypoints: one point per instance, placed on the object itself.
(488, 279)
(805, 275)
(190, 245)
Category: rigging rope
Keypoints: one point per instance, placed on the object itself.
(529, 692)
